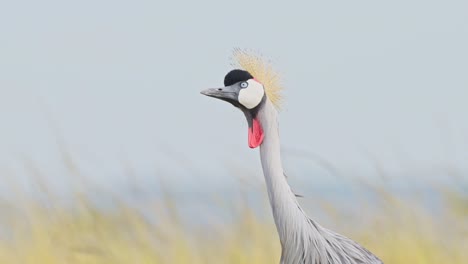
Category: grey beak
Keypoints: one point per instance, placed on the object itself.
(212, 92)
(228, 93)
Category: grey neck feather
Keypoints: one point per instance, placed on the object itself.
(303, 241)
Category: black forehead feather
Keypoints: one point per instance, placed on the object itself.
(236, 76)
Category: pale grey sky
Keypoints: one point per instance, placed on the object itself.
(121, 79)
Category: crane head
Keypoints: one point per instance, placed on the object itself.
(245, 92)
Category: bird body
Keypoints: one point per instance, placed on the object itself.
(303, 241)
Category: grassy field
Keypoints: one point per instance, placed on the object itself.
(398, 231)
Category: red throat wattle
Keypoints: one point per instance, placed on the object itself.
(255, 134)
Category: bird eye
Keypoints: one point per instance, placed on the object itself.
(244, 84)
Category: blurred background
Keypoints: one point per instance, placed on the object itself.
(109, 154)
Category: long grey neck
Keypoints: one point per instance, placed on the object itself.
(302, 239)
(289, 217)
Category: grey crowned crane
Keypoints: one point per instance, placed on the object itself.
(255, 90)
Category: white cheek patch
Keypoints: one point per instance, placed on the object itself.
(251, 96)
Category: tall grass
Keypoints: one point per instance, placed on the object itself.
(46, 231)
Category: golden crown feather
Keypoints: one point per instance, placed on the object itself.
(262, 70)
